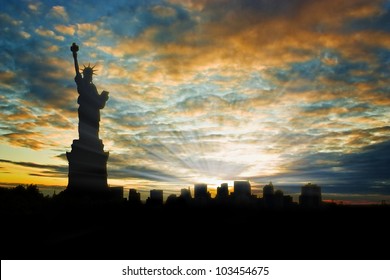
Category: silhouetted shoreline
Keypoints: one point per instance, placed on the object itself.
(38, 227)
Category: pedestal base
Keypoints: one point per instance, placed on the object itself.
(87, 167)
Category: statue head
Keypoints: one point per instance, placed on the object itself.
(88, 72)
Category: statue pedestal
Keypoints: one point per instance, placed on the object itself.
(87, 167)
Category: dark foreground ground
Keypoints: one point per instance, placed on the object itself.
(72, 229)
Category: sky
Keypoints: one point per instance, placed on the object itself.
(207, 91)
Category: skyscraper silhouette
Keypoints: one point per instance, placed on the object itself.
(310, 196)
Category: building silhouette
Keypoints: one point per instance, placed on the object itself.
(172, 199)
(242, 194)
(275, 199)
(278, 199)
(288, 201)
(185, 194)
(200, 192)
(201, 196)
(268, 195)
(155, 198)
(134, 197)
(222, 192)
(310, 196)
(242, 189)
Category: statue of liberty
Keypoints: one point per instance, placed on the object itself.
(87, 160)
(89, 100)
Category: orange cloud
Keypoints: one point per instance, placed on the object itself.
(249, 38)
(59, 12)
(66, 29)
(26, 139)
(20, 114)
(48, 33)
(6, 77)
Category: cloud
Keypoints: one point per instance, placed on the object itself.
(363, 171)
(44, 78)
(163, 11)
(7, 78)
(35, 7)
(32, 127)
(48, 33)
(59, 12)
(8, 20)
(25, 35)
(44, 170)
(26, 139)
(141, 172)
(124, 166)
(191, 42)
(85, 29)
(66, 29)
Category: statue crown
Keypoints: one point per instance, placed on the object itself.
(89, 70)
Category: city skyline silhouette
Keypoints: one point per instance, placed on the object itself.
(63, 227)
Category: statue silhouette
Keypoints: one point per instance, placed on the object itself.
(87, 160)
(89, 100)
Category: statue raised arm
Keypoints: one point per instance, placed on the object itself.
(75, 48)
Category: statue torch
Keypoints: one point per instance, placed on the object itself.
(75, 48)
